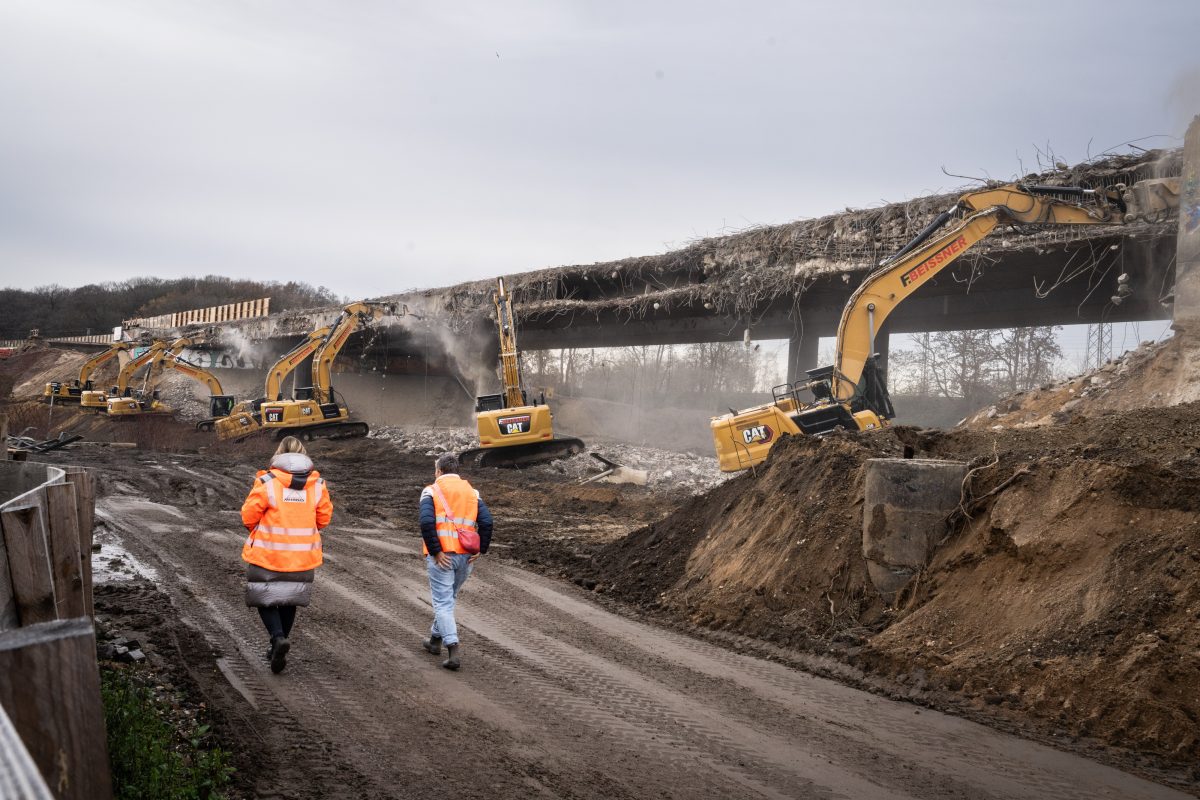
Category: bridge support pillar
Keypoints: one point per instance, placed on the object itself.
(802, 354)
(1187, 258)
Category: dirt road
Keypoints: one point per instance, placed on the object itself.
(557, 697)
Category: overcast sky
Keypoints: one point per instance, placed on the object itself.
(373, 147)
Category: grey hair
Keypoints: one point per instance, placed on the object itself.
(447, 463)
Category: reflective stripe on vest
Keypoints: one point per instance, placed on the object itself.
(462, 522)
(269, 545)
(287, 531)
(266, 479)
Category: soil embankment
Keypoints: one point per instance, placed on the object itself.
(1067, 594)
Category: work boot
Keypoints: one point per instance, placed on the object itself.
(279, 650)
(451, 661)
(433, 645)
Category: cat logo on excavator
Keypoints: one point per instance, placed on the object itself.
(757, 433)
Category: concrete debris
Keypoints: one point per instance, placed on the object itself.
(618, 473)
(1155, 374)
(663, 468)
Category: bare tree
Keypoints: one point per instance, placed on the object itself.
(977, 366)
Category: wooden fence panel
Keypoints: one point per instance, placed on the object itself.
(85, 502)
(9, 617)
(62, 540)
(29, 564)
(52, 695)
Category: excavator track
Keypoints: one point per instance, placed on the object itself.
(330, 430)
(522, 455)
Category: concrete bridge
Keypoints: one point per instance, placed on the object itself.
(779, 282)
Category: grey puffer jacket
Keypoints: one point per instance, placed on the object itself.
(265, 587)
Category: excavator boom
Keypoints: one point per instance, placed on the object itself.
(352, 317)
(510, 363)
(170, 358)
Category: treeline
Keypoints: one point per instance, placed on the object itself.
(98, 307)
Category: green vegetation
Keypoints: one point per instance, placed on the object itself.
(151, 759)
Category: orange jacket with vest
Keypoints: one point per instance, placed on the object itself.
(284, 514)
(463, 511)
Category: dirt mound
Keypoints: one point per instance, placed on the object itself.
(772, 554)
(1154, 375)
(1070, 594)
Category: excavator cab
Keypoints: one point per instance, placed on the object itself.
(220, 405)
(496, 402)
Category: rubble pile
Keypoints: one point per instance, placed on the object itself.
(1154, 375)
(666, 469)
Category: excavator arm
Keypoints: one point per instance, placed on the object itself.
(510, 364)
(196, 373)
(155, 351)
(286, 365)
(219, 404)
(351, 318)
(89, 366)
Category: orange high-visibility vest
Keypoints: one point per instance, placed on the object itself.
(285, 523)
(464, 508)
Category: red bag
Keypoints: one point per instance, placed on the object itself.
(467, 537)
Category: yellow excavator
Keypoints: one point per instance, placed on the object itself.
(97, 400)
(512, 431)
(147, 401)
(315, 411)
(851, 393)
(63, 392)
(244, 418)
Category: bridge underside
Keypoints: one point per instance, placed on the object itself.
(1003, 290)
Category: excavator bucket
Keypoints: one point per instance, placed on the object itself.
(1150, 199)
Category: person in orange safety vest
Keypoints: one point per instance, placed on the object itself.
(449, 505)
(284, 514)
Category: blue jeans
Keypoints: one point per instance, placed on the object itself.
(443, 587)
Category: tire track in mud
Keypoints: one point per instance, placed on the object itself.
(965, 750)
(633, 705)
(314, 687)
